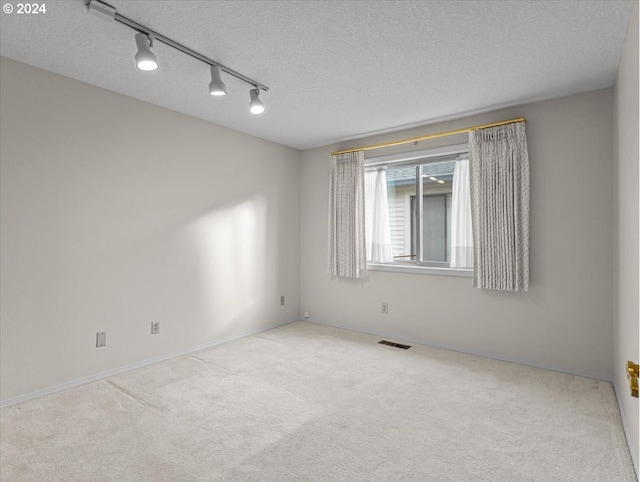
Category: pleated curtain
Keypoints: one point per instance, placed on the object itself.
(347, 245)
(499, 173)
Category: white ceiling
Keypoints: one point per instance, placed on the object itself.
(336, 70)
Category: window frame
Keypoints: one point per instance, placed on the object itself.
(419, 158)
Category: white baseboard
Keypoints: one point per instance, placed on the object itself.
(115, 371)
(596, 376)
(632, 450)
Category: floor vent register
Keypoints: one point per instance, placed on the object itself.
(397, 345)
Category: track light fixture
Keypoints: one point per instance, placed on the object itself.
(255, 106)
(147, 61)
(216, 87)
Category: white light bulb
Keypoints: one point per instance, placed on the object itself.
(147, 65)
(257, 109)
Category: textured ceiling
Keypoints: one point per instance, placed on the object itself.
(336, 70)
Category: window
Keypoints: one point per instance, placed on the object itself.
(404, 234)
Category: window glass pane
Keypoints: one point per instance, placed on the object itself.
(434, 227)
(401, 188)
(436, 211)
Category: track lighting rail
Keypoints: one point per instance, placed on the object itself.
(110, 11)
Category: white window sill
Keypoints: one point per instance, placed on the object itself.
(403, 268)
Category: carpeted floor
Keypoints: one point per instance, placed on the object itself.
(306, 402)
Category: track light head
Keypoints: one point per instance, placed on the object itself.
(255, 106)
(145, 59)
(216, 87)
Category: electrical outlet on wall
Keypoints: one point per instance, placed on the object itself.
(101, 339)
(282, 300)
(155, 327)
(385, 308)
(306, 315)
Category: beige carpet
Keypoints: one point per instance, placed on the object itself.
(305, 402)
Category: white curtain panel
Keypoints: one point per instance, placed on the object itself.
(461, 225)
(347, 247)
(499, 167)
(377, 224)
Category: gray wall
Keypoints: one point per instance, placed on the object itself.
(626, 267)
(565, 320)
(116, 213)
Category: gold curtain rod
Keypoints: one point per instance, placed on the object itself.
(430, 136)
